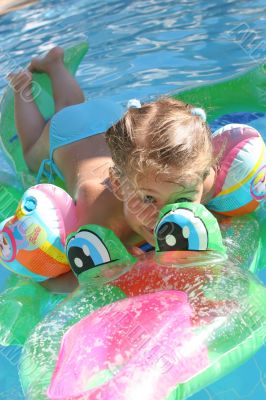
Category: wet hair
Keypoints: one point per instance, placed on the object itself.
(162, 136)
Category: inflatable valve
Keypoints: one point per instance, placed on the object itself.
(189, 227)
(32, 242)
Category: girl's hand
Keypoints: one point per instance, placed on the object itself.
(135, 251)
(65, 283)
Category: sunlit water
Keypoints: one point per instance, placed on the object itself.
(140, 48)
(137, 49)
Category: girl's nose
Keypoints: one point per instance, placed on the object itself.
(149, 215)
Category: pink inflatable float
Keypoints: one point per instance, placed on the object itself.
(122, 343)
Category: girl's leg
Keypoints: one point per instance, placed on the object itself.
(66, 91)
(29, 121)
(31, 126)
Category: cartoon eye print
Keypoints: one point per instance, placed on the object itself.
(86, 250)
(258, 185)
(181, 230)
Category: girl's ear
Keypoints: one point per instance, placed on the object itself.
(115, 184)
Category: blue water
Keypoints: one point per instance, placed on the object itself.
(142, 49)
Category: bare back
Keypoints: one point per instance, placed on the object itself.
(84, 160)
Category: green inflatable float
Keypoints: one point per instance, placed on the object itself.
(125, 340)
(24, 303)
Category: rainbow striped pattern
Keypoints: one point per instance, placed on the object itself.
(240, 185)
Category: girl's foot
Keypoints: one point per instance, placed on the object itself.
(21, 83)
(45, 64)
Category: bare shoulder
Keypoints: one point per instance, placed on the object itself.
(96, 203)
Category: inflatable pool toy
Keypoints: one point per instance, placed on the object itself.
(32, 242)
(258, 121)
(8, 134)
(20, 295)
(182, 226)
(122, 347)
(146, 363)
(22, 302)
(187, 227)
(110, 325)
(236, 100)
(240, 186)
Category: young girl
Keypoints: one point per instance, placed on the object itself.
(157, 153)
(164, 153)
(72, 143)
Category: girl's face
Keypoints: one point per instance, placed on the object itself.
(142, 202)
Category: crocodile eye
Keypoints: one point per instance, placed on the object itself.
(181, 230)
(85, 250)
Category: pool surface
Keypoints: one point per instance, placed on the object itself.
(142, 49)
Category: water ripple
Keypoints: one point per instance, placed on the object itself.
(156, 48)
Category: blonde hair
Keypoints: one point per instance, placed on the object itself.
(160, 136)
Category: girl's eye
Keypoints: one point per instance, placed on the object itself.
(149, 199)
(183, 199)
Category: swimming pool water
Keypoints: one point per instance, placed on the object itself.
(141, 49)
